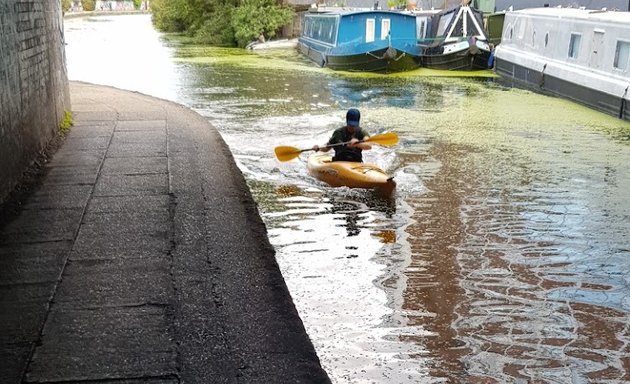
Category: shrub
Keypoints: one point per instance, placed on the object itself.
(217, 30)
(65, 5)
(169, 15)
(88, 5)
(254, 16)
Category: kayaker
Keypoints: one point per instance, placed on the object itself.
(352, 134)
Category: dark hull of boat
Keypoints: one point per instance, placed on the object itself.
(384, 60)
(538, 81)
(377, 61)
(313, 54)
(457, 61)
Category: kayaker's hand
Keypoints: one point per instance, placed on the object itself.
(316, 148)
(353, 142)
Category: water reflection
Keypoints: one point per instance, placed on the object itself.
(504, 256)
(340, 273)
(515, 263)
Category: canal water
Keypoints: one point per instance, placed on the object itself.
(504, 255)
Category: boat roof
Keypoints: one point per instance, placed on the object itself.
(354, 11)
(578, 13)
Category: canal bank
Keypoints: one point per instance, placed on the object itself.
(142, 257)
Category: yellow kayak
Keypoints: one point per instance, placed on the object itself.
(350, 174)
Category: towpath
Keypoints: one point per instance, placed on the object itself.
(141, 257)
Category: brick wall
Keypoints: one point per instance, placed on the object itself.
(33, 83)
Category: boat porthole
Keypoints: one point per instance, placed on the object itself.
(534, 39)
(546, 39)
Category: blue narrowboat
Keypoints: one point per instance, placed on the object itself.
(361, 40)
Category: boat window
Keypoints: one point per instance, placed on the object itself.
(458, 31)
(420, 27)
(622, 54)
(534, 39)
(471, 25)
(546, 39)
(369, 30)
(511, 33)
(574, 45)
(443, 24)
(321, 28)
(385, 25)
(307, 27)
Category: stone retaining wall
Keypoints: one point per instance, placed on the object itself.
(34, 89)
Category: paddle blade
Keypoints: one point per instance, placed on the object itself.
(386, 139)
(286, 153)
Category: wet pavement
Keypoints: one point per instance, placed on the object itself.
(142, 258)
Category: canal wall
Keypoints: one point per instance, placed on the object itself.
(34, 89)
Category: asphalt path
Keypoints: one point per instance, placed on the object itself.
(141, 257)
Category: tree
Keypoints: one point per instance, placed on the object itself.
(254, 17)
(65, 5)
(396, 4)
(217, 28)
(211, 21)
(88, 5)
(169, 15)
(221, 22)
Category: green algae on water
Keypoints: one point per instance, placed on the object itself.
(187, 51)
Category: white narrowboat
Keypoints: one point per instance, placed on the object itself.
(579, 54)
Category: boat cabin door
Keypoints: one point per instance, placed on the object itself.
(597, 47)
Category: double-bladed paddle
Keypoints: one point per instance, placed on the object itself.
(286, 153)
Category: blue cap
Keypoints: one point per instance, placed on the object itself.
(352, 117)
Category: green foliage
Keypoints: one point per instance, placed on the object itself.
(221, 22)
(66, 123)
(137, 4)
(65, 5)
(169, 15)
(88, 5)
(255, 16)
(396, 4)
(217, 30)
